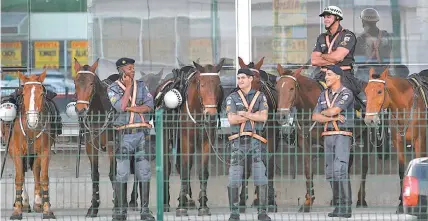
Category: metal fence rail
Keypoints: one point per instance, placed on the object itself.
(71, 197)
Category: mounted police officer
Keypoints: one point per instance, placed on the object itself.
(335, 110)
(134, 103)
(336, 47)
(247, 112)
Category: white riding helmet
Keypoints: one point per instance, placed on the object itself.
(172, 99)
(333, 10)
(70, 110)
(7, 111)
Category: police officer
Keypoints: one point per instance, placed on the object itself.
(335, 110)
(247, 111)
(336, 47)
(133, 102)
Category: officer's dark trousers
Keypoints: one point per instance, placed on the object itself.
(243, 148)
(337, 150)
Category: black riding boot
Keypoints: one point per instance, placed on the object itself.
(335, 190)
(120, 203)
(345, 200)
(233, 203)
(146, 214)
(262, 214)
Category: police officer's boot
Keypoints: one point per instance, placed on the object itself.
(146, 214)
(262, 214)
(345, 200)
(233, 203)
(120, 203)
(335, 190)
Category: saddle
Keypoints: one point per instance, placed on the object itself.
(420, 83)
(357, 111)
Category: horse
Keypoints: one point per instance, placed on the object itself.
(408, 116)
(95, 116)
(202, 96)
(301, 92)
(264, 83)
(30, 144)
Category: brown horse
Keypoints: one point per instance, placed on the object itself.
(94, 109)
(301, 92)
(408, 111)
(261, 83)
(202, 97)
(30, 144)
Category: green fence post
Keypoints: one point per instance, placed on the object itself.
(159, 163)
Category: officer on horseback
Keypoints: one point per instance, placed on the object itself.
(133, 103)
(336, 47)
(335, 110)
(247, 111)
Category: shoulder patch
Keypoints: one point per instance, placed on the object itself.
(345, 97)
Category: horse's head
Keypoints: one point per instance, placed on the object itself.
(256, 84)
(85, 83)
(34, 94)
(209, 88)
(377, 96)
(287, 87)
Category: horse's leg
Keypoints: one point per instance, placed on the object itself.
(95, 176)
(37, 206)
(26, 208)
(44, 159)
(16, 154)
(184, 168)
(310, 193)
(399, 145)
(367, 149)
(167, 170)
(203, 177)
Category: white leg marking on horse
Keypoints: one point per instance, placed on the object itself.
(24, 195)
(32, 118)
(37, 199)
(282, 84)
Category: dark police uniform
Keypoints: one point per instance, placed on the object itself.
(247, 141)
(337, 142)
(132, 138)
(327, 43)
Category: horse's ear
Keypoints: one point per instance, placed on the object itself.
(280, 69)
(76, 65)
(372, 72)
(42, 76)
(197, 60)
(385, 73)
(94, 66)
(181, 64)
(220, 65)
(298, 71)
(142, 73)
(259, 64)
(198, 66)
(241, 63)
(160, 72)
(22, 77)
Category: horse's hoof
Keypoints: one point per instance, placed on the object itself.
(166, 208)
(190, 204)
(38, 208)
(26, 208)
(133, 205)
(49, 215)
(305, 209)
(272, 208)
(92, 212)
(16, 216)
(400, 209)
(362, 204)
(204, 211)
(181, 212)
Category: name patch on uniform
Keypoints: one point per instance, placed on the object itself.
(347, 38)
(345, 97)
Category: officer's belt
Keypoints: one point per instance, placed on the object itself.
(135, 125)
(249, 108)
(345, 68)
(327, 133)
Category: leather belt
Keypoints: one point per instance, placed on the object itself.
(341, 129)
(132, 130)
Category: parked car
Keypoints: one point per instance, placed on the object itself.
(415, 188)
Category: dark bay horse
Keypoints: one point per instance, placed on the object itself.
(301, 92)
(95, 111)
(407, 104)
(30, 144)
(202, 98)
(263, 82)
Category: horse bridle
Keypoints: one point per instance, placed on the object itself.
(92, 93)
(295, 93)
(384, 97)
(33, 112)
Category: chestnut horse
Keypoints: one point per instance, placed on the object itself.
(408, 110)
(30, 144)
(202, 98)
(267, 87)
(301, 92)
(94, 110)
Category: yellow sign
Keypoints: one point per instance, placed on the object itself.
(11, 56)
(46, 54)
(79, 50)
